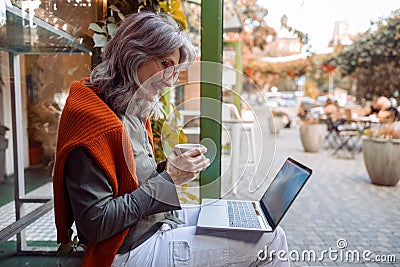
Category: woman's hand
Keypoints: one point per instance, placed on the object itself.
(185, 167)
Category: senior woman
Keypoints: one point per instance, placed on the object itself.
(124, 204)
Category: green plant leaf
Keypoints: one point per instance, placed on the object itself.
(100, 40)
(159, 123)
(110, 20)
(182, 137)
(176, 112)
(96, 28)
(121, 16)
(173, 138)
(111, 28)
(167, 149)
(166, 130)
(114, 8)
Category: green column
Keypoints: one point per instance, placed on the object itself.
(210, 122)
(239, 69)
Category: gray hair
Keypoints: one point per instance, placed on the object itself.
(140, 38)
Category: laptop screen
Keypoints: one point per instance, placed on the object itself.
(284, 188)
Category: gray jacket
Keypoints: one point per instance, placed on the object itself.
(98, 215)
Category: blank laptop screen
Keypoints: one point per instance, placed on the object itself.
(283, 189)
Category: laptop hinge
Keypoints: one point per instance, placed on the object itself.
(265, 211)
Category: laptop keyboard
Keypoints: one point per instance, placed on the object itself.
(242, 214)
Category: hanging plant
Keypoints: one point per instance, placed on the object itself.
(119, 9)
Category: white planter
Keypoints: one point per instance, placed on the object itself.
(381, 158)
(275, 124)
(312, 136)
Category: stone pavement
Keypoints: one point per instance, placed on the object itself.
(339, 217)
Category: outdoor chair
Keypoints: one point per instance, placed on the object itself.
(231, 113)
(349, 137)
(332, 138)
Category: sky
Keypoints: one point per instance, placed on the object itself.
(317, 17)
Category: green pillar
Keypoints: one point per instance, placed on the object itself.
(239, 69)
(210, 122)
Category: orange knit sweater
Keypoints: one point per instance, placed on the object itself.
(88, 122)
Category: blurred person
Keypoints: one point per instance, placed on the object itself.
(331, 109)
(374, 108)
(124, 204)
(302, 112)
(333, 115)
(382, 107)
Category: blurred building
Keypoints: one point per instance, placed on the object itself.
(285, 43)
(342, 34)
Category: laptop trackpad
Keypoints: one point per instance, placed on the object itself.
(213, 216)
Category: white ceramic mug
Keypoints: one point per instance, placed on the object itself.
(182, 148)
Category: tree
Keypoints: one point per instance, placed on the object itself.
(373, 60)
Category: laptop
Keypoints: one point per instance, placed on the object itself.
(263, 215)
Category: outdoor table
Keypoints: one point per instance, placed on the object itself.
(349, 134)
(348, 140)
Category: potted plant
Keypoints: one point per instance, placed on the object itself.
(276, 121)
(312, 134)
(381, 151)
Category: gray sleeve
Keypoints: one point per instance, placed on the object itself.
(98, 215)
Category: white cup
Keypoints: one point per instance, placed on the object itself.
(182, 148)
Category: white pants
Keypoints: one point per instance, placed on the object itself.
(188, 246)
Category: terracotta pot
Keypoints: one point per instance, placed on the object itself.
(312, 136)
(381, 158)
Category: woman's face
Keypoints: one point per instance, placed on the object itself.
(165, 71)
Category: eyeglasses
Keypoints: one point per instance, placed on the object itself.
(170, 71)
